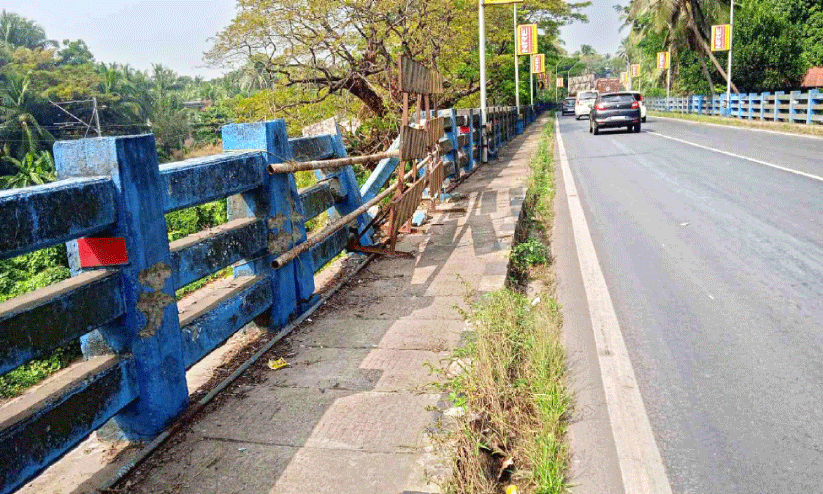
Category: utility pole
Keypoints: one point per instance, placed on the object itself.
(729, 69)
(516, 67)
(481, 8)
(96, 117)
(669, 79)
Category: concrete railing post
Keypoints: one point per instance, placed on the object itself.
(150, 328)
(793, 105)
(278, 203)
(764, 100)
(814, 95)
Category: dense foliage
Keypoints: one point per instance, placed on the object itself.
(775, 43)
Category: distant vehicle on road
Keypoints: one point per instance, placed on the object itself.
(608, 85)
(615, 110)
(568, 106)
(639, 98)
(583, 103)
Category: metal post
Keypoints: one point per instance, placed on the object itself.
(96, 117)
(483, 108)
(531, 86)
(555, 80)
(516, 67)
(669, 80)
(729, 69)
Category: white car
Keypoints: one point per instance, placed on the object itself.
(639, 98)
(583, 103)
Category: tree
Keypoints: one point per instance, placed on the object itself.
(74, 53)
(32, 169)
(587, 50)
(768, 49)
(325, 47)
(19, 130)
(687, 21)
(17, 31)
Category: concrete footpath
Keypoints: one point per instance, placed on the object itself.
(351, 412)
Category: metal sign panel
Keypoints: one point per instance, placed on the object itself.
(664, 60)
(414, 143)
(538, 63)
(416, 78)
(527, 39)
(722, 37)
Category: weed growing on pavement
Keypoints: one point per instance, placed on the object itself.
(507, 383)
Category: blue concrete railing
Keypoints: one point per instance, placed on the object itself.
(138, 344)
(795, 107)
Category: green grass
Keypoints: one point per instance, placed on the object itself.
(801, 129)
(512, 384)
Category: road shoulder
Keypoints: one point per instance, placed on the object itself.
(594, 465)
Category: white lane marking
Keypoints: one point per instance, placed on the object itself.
(739, 127)
(740, 156)
(641, 466)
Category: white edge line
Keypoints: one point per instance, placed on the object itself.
(733, 155)
(641, 466)
(738, 127)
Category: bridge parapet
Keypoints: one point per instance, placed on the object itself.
(137, 342)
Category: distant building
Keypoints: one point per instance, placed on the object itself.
(814, 78)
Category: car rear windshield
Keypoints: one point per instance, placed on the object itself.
(587, 95)
(617, 98)
(569, 100)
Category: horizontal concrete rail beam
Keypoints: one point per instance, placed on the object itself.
(38, 428)
(312, 148)
(206, 252)
(228, 307)
(200, 180)
(48, 318)
(321, 197)
(45, 215)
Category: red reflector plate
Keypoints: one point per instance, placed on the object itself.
(96, 252)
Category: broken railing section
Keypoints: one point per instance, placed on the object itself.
(137, 342)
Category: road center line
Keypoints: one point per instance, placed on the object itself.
(641, 466)
(733, 155)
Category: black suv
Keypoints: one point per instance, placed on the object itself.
(568, 106)
(615, 110)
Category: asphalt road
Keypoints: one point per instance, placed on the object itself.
(715, 268)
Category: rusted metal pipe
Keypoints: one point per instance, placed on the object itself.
(335, 163)
(327, 232)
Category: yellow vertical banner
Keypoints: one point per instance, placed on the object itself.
(527, 39)
(538, 63)
(663, 60)
(636, 70)
(624, 78)
(560, 82)
(722, 37)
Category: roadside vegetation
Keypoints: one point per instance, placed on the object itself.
(802, 129)
(510, 387)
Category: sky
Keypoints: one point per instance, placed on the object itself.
(601, 32)
(138, 32)
(176, 32)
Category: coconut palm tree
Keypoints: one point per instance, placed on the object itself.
(31, 169)
(20, 132)
(17, 31)
(689, 20)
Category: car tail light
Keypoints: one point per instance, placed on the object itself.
(599, 106)
(635, 105)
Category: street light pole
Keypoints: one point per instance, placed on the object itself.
(729, 69)
(482, 23)
(516, 66)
